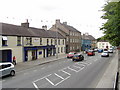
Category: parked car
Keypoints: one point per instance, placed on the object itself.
(105, 54)
(90, 53)
(100, 50)
(71, 54)
(7, 68)
(110, 50)
(78, 57)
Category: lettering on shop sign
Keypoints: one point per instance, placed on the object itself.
(36, 40)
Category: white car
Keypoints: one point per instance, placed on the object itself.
(105, 54)
(7, 68)
(110, 50)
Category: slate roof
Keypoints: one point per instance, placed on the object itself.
(88, 37)
(14, 30)
(70, 28)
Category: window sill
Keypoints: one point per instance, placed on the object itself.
(19, 45)
(4, 45)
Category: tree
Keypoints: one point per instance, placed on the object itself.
(112, 27)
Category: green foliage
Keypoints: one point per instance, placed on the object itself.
(112, 27)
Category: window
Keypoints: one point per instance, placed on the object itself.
(18, 41)
(55, 42)
(29, 41)
(4, 41)
(47, 41)
(59, 42)
(61, 49)
(51, 41)
(63, 42)
(58, 50)
(40, 41)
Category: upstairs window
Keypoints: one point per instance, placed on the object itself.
(29, 41)
(47, 41)
(4, 41)
(59, 42)
(40, 41)
(18, 41)
(63, 42)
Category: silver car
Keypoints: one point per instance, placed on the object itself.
(7, 69)
(105, 54)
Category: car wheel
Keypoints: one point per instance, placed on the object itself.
(12, 73)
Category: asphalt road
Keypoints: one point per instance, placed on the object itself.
(63, 73)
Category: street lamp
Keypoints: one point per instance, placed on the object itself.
(56, 42)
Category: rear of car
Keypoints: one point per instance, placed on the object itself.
(100, 50)
(7, 69)
(71, 54)
(91, 53)
(78, 57)
(110, 50)
(105, 54)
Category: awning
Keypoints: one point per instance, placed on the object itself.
(5, 48)
(4, 37)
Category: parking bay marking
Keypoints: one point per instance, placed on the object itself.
(59, 76)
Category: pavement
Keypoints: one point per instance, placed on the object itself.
(29, 64)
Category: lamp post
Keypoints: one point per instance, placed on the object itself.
(56, 42)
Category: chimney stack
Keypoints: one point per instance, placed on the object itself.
(44, 27)
(57, 21)
(26, 24)
(65, 23)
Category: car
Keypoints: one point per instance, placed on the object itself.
(7, 68)
(90, 53)
(100, 50)
(110, 50)
(71, 54)
(95, 50)
(78, 57)
(105, 54)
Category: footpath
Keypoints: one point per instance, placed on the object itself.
(108, 79)
(29, 64)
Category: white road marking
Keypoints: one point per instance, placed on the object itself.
(76, 66)
(72, 69)
(50, 81)
(35, 86)
(62, 81)
(65, 72)
(59, 76)
(42, 78)
(35, 70)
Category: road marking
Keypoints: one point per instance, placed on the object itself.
(62, 81)
(50, 81)
(42, 77)
(76, 66)
(35, 86)
(43, 68)
(72, 69)
(35, 70)
(65, 72)
(59, 76)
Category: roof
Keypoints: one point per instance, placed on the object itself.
(14, 30)
(70, 28)
(88, 37)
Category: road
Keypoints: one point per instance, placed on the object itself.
(63, 73)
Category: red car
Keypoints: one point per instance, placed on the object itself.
(90, 53)
(71, 54)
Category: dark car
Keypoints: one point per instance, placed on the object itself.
(71, 54)
(90, 53)
(78, 57)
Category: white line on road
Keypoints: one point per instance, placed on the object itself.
(72, 69)
(35, 86)
(59, 76)
(62, 81)
(42, 78)
(50, 81)
(76, 66)
(35, 70)
(65, 72)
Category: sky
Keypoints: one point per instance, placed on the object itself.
(84, 15)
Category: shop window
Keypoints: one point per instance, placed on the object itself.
(4, 41)
(18, 41)
(40, 41)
